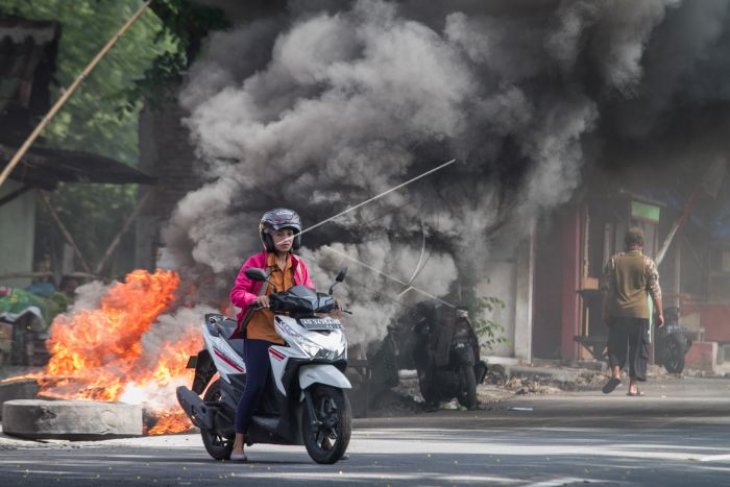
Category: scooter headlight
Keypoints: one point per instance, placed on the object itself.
(309, 347)
(317, 352)
(340, 353)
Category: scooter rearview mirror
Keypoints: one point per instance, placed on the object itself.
(340, 277)
(256, 274)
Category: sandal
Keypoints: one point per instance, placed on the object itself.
(238, 457)
(637, 393)
(612, 384)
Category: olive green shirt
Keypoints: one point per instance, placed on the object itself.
(629, 278)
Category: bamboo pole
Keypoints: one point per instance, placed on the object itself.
(132, 216)
(67, 94)
(65, 232)
(32, 275)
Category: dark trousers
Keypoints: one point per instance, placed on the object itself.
(256, 357)
(627, 338)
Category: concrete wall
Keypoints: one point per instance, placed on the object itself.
(501, 284)
(524, 284)
(510, 278)
(17, 234)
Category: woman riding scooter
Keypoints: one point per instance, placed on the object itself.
(279, 230)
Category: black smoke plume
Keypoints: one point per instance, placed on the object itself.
(318, 105)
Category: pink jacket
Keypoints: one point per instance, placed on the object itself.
(245, 290)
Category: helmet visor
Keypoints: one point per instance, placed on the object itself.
(282, 218)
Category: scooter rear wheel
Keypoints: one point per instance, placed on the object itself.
(327, 435)
(219, 447)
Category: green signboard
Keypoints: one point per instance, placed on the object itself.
(645, 211)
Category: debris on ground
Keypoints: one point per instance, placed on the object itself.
(521, 386)
(402, 400)
(527, 379)
(500, 384)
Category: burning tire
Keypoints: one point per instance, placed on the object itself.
(327, 435)
(71, 420)
(219, 447)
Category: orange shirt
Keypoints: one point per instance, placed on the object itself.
(261, 326)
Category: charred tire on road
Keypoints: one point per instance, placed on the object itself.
(18, 389)
(71, 420)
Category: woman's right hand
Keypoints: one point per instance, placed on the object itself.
(262, 302)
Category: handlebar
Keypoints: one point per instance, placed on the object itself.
(258, 308)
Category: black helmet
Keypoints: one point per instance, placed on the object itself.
(277, 219)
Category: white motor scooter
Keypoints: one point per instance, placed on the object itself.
(304, 402)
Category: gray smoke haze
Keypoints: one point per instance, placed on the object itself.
(159, 395)
(321, 104)
(88, 296)
(171, 327)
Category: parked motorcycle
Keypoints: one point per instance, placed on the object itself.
(304, 402)
(672, 342)
(447, 359)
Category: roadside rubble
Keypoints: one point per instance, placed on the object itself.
(501, 383)
(507, 381)
(541, 379)
(504, 382)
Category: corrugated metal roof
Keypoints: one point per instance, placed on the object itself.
(45, 168)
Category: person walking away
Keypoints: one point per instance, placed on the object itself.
(629, 278)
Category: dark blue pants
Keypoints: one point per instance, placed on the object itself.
(256, 357)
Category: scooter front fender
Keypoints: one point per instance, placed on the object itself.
(326, 374)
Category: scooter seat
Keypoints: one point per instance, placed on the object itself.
(237, 345)
(220, 326)
(227, 327)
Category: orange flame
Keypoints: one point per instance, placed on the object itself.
(100, 353)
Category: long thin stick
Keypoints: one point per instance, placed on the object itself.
(67, 94)
(118, 237)
(408, 285)
(370, 200)
(33, 275)
(65, 232)
(387, 276)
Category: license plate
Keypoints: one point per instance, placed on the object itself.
(320, 323)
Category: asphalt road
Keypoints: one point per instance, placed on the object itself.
(678, 434)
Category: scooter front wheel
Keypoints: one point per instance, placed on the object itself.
(327, 434)
(219, 447)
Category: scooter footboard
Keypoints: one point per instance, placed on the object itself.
(322, 374)
(194, 408)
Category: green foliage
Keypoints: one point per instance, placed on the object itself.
(489, 331)
(98, 118)
(184, 24)
(102, 115)
(93, 215)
